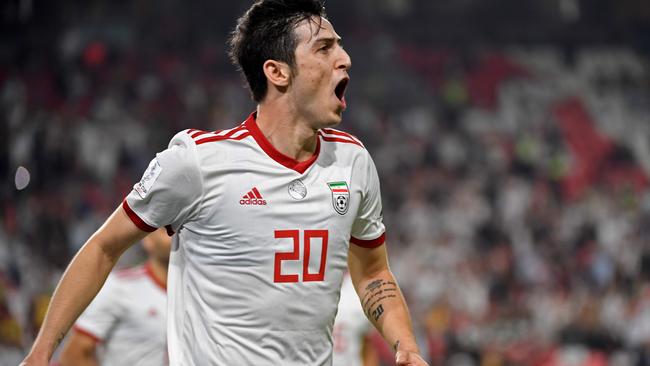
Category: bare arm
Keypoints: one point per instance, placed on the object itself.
(79, 350)
(383, 302)
(81, 281)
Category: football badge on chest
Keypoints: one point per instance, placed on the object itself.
(340, 196)
(297, 190)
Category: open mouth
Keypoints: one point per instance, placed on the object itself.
(340, 88)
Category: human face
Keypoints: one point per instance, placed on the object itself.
(321, 76)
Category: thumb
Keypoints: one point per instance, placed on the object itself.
(402, 358)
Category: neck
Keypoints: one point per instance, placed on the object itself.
(159, 270)
(290, 134)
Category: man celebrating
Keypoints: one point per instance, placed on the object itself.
(267, 215)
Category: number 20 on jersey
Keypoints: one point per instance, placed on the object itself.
(306, 243)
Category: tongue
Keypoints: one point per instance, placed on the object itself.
(343, 101)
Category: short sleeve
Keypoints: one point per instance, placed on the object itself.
(368, 229)
(103, 313)
(170, 191)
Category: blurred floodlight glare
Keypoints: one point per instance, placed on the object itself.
(22, 178)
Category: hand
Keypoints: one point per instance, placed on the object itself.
(408, 358)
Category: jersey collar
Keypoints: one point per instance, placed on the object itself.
(149, 271)
(291, 163)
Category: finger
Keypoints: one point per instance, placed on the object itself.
(402, 358)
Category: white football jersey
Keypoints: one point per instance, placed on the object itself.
(261, 242)
(350, 327)
(128, 319)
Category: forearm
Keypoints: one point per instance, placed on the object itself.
(385, 307)
(80, 283)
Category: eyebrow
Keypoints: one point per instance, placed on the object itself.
(328, 40)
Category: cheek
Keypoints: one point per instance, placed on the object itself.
(313, 73)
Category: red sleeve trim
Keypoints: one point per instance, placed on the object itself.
(170, 231)
(136, 219)
(87, 333)
(374, 243)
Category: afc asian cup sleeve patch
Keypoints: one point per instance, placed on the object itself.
(148, 179)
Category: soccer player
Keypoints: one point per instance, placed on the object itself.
(352, 344)
(126, 323)
(267, 215)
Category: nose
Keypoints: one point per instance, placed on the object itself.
(343, 61)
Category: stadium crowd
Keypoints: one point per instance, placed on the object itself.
(514, 179)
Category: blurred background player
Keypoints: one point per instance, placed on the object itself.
(352, 344)
(126, 323)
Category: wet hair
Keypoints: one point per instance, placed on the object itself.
(266, 32)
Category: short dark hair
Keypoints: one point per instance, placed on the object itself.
(266, 32)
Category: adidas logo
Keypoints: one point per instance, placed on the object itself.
(252, 198)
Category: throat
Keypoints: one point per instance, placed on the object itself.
(299, 148)
(290, 137)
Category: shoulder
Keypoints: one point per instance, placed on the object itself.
(194, 147)
(200, 137)
(181, 159)
(345, 147)
(331, 135)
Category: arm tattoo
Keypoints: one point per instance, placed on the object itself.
(376, 292)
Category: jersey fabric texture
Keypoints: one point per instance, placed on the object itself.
(350, 327)
(128, 319)
(261, 242)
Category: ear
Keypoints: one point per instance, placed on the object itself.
(277, 73)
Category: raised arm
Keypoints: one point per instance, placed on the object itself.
(382, 301)
(81, 281)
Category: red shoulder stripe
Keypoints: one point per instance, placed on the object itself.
(331, 131)
(198, 133)
(221, 138)
(240, 131)
(194, 133)
(336, 139)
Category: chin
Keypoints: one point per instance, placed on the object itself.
(333, 122)
(329, 120)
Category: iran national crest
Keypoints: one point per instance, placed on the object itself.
(340, 196)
